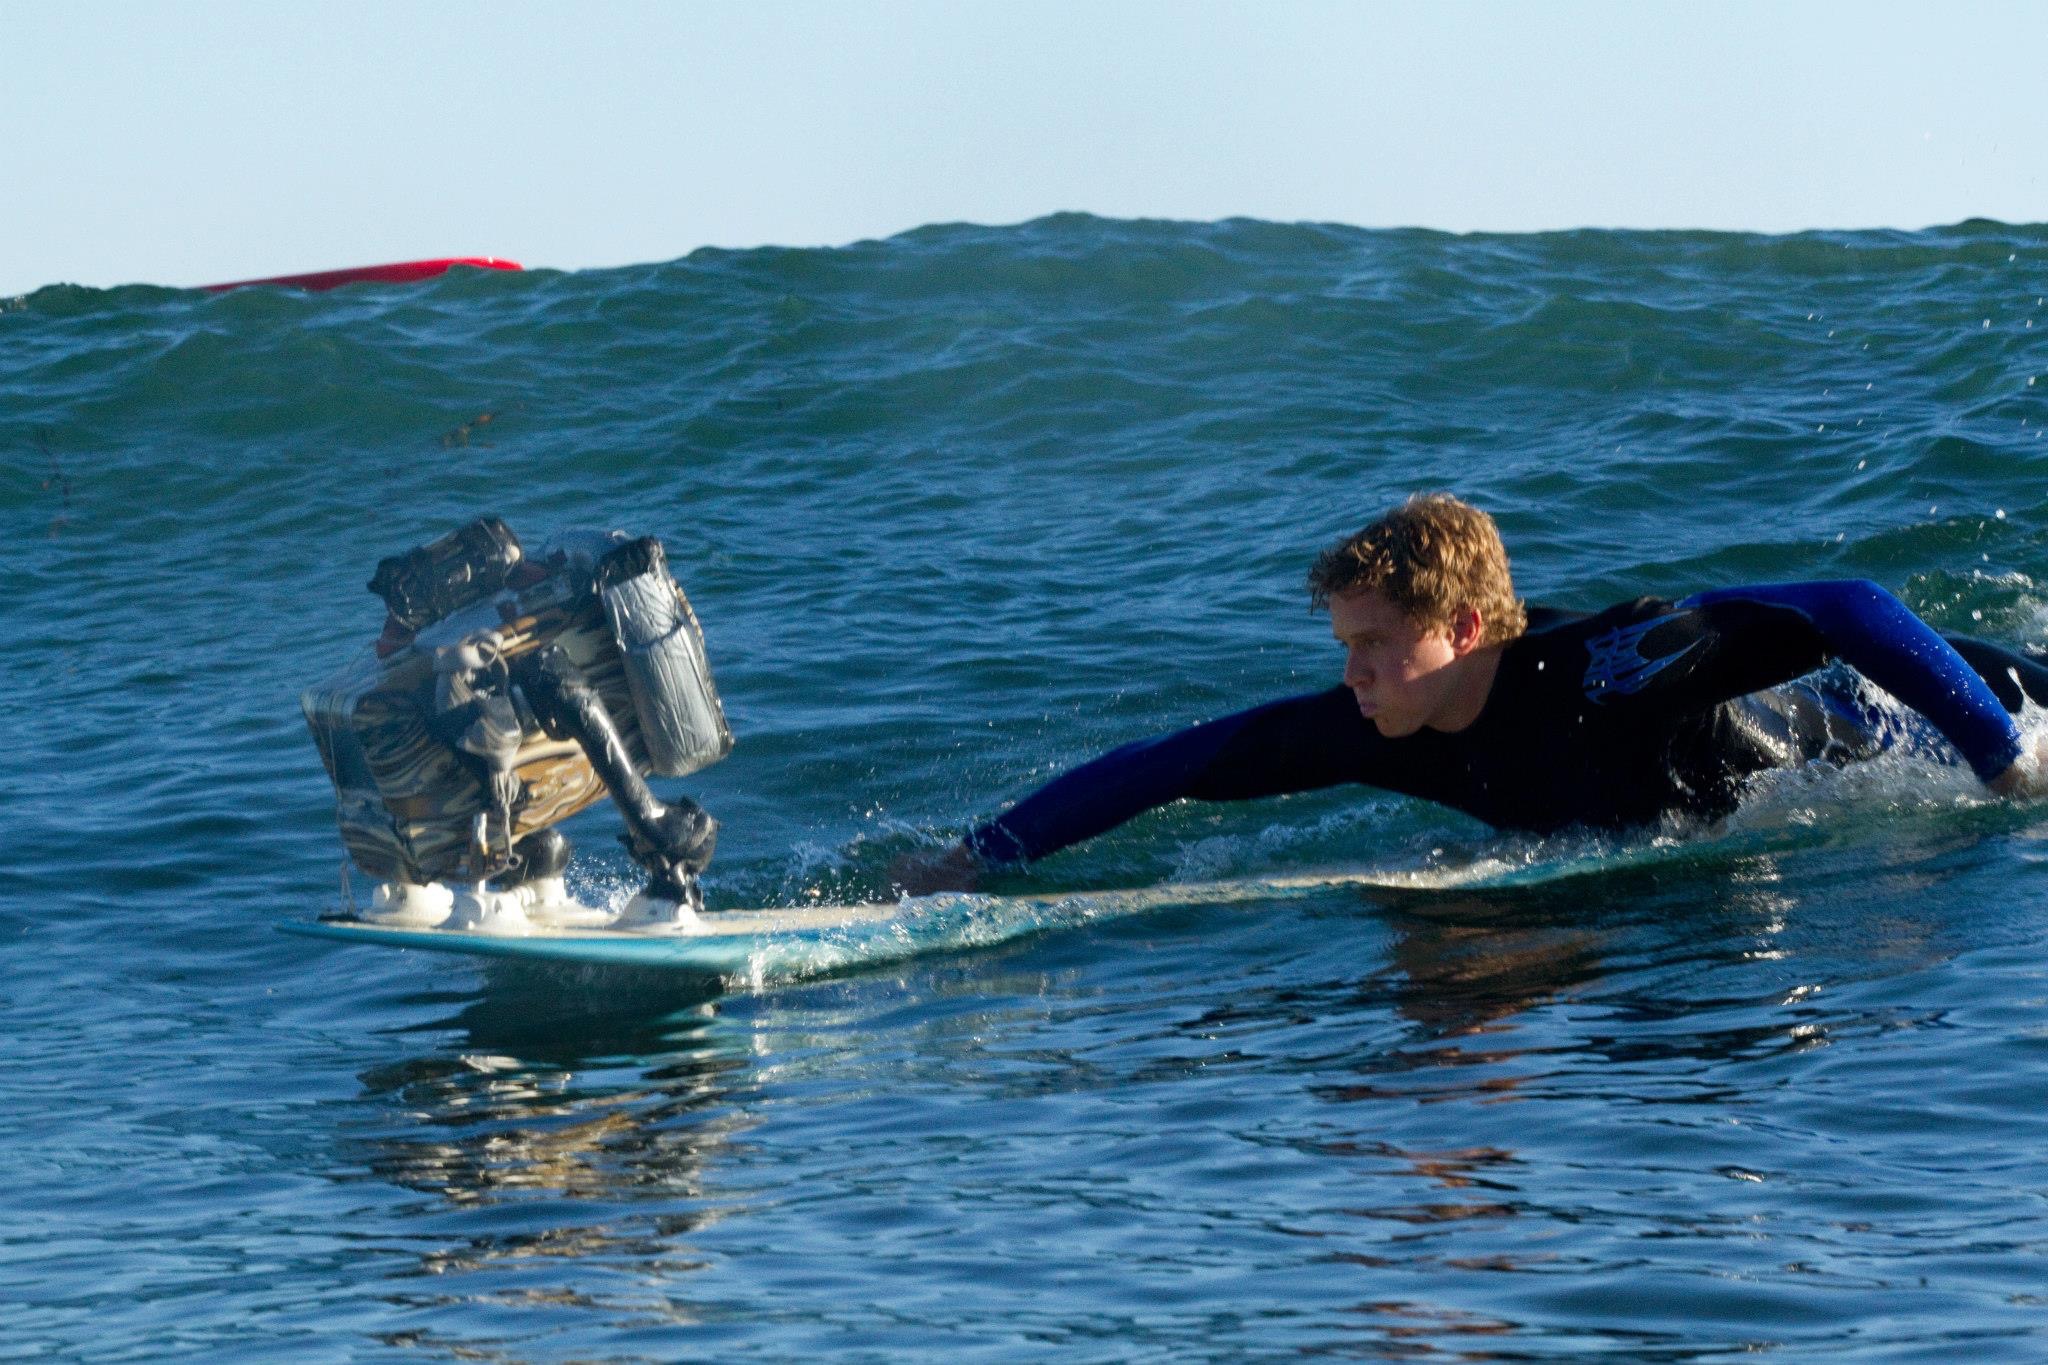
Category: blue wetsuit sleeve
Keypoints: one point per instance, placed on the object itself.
(1879, 636)
(1284, 746)
(2017, 678)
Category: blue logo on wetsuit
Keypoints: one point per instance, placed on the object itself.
(1617, 666)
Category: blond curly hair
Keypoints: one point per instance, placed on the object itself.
(1431, 556)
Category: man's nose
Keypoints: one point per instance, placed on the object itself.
(1356, 672)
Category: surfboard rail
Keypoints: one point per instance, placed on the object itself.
(759, 944)
(725, 943)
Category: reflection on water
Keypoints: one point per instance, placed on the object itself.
(1425, 1119)
(611, 1090)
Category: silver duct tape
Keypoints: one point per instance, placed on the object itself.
(406, 804)
(682, 722)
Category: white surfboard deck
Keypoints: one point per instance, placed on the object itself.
(807, 940)
(721, 943)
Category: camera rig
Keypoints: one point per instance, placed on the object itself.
(506, 693)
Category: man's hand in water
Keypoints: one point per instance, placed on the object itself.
(2027, 778)
(957, 868)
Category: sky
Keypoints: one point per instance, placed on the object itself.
(182, 144)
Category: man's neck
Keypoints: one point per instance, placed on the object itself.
(1470, 689)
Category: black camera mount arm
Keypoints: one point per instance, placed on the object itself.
(674, 841)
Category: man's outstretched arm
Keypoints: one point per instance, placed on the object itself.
(1298, 744)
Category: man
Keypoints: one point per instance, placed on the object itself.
(1536, 720)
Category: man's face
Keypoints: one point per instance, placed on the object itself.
(1399, 672)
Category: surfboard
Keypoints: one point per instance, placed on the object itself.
(398, 272)
(719, 943)
(757, 945)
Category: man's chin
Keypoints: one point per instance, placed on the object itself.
(1391, 727)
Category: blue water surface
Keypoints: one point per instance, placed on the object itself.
(958, 509)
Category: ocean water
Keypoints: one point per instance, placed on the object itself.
(958, 509)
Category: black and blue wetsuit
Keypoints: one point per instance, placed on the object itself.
(1609, 720)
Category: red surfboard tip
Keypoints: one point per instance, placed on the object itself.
(398, 272)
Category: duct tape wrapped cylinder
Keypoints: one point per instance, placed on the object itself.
(448, 745)
(682, 725)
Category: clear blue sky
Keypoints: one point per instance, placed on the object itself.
(179, 144)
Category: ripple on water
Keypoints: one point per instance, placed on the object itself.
(959, 508)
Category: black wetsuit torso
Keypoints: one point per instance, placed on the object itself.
(1555, 745)
(1609, 720)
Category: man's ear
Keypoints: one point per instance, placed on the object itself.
(1468, 628)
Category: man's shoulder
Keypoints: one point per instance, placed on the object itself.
(1551, 623)
(1602, 655)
